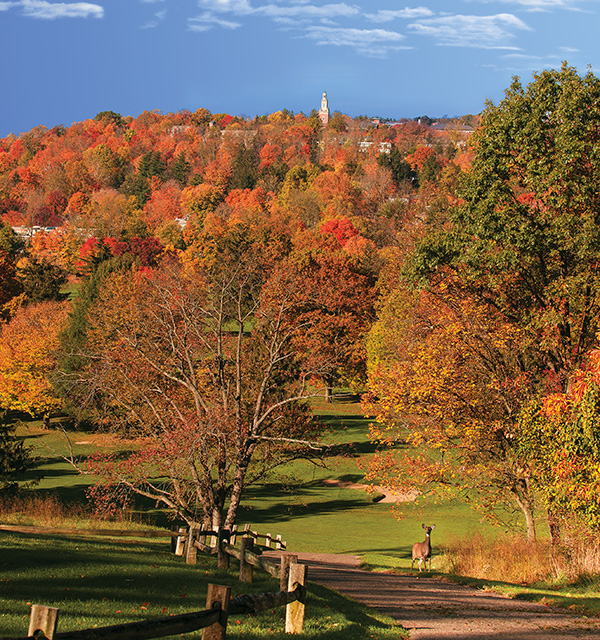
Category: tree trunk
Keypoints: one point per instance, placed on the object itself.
(236, 495)
(523, 498)
(328, 381)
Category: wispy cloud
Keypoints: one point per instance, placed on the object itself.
(308, 11)
(51, 10)
(538, 5)
(387, 15)
(158, 17)
(484, 32)
(208, 21)
(372, 42)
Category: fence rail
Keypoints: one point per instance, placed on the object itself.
(44, 620)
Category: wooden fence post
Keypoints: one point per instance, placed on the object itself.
(268, 540)
(180, 541)
(286, 561)
(218, 596)
(278, 542)
(222, 557)
(245, 568)
(294, 611)
(191, 553)
(233, 534)
(44, 620)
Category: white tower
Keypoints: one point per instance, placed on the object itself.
(324, 110)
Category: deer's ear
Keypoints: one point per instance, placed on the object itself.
(433, 526)
(423, 525)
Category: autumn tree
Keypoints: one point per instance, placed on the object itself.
(521, 249)
(337, 301)
(27, 346)
(196, 361)
(446, 381)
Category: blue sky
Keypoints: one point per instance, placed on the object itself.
(66, 61)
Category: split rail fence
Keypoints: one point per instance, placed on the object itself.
(219, 605)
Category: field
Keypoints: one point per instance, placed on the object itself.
(296, 502)
(101, 583)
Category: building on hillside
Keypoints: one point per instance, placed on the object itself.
(324, 110)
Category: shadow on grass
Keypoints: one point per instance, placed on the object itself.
(286, 512)
(98, 582)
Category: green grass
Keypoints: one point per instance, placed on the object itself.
(314, 517)
(99, 583)
(294, 502)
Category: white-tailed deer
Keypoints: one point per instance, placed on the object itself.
(421, 551)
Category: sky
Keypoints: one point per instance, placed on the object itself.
(64, 62)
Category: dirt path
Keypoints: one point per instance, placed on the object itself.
(432, 609)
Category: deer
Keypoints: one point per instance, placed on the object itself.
(421, 551)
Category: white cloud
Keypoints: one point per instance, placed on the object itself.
(484, 32)
(372, 42)
(308, 11)
(208, 20)
(387, 15)
(51, 10)
(298, 10)
(5, 6)
(159, 16)
(539, 5)
(232, 6)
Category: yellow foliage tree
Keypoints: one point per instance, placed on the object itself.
(447, 385)
(27, 346)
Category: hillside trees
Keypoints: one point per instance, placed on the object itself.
(521, 249)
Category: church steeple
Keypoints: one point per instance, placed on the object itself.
(324, 110)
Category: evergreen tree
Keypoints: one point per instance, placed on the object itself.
(15, 457)
(41, 280)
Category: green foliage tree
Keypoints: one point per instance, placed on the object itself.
(527, 237)
(10, 286)
(15, 457)
(10, 242)
(110, 116)
(151, 164)
(245, 168)
(41, 280)
(180, 169)
(522, 248)
(401, 171)
(136, 185)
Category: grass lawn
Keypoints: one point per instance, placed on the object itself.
(312, 516)
(99, 583)
(294, 502)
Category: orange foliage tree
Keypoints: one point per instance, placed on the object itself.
(196, 361)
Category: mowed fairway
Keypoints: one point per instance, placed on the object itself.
(301, 502)
(315, 516)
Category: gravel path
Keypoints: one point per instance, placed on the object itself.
(432, 609)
